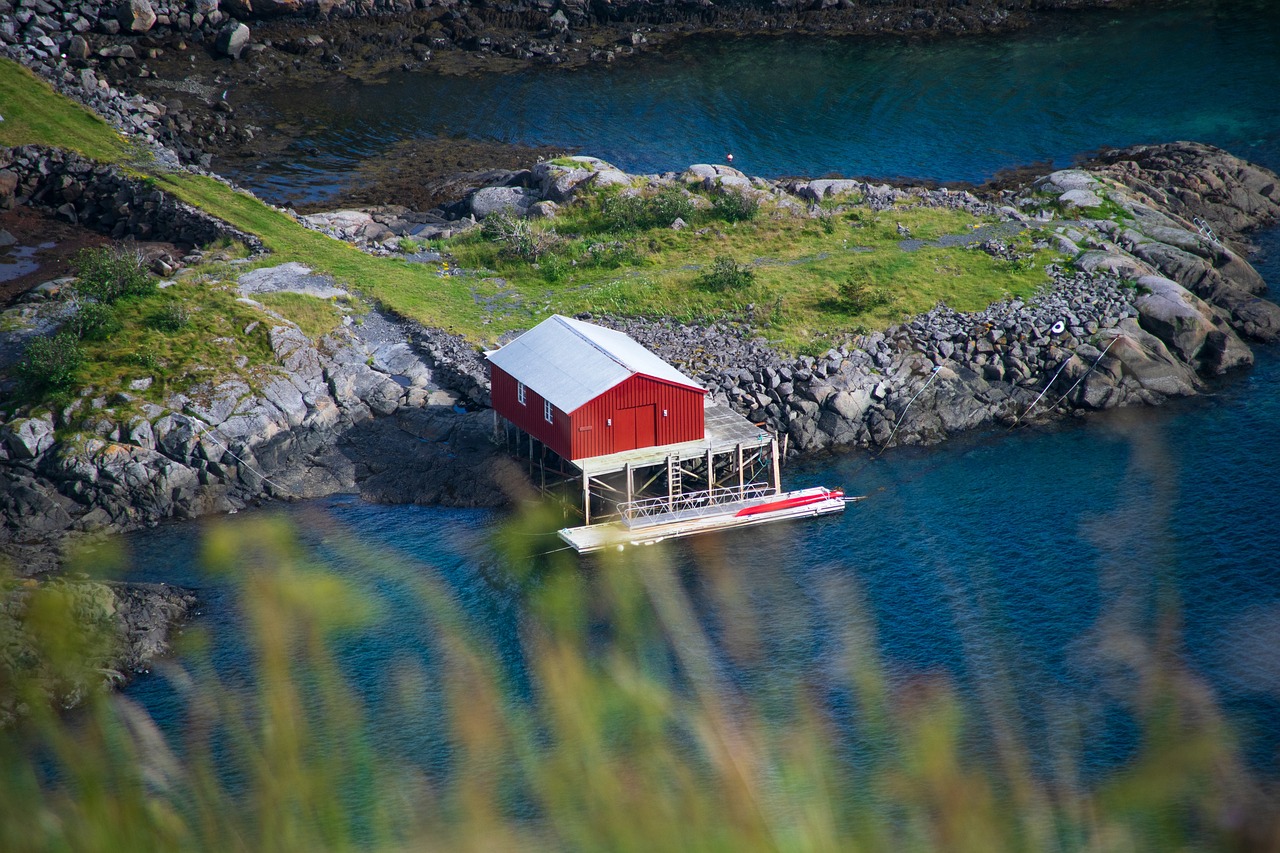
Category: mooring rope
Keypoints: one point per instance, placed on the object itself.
(889, 441)
(202, 433)
(1096, 361)
(1058, 373)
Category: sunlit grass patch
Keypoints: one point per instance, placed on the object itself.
(35, 114)
(219, 337)
(315, 316)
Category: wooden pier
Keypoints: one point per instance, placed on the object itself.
(619, 534)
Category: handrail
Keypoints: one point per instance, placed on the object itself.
(648, 507)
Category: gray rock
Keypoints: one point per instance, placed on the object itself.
(291, 277)
(27, 438)
(1080, 198)
(610, 178)
(232, 40)
(136, 15)
(850, 405)
(77, 48)
(514, 200)
(1174, 315)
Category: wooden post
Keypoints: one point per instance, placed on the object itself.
(542, 465)
(629, 484)
(777, 472)
(586, 498)
(742, 483)
(711, 470)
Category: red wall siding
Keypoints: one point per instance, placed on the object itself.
(588, 431)
(593, 436)
(529, 417)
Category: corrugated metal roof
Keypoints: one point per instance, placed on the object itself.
(570, 362)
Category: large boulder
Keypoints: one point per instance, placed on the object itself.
(826, 188)
(514, 200)
(1144, 357)
(28, 438)
(1184, 323)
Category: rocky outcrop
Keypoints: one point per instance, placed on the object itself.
(105, 199)
(320, 422)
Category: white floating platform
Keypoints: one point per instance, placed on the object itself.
(803, 503)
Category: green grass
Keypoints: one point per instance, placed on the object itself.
(799, 267)
(35, 114)
(315, 316)
(208, 346)
(800, 262)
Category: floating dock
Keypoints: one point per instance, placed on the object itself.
(640, 525)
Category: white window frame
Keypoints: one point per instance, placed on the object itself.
(547, 412)
(520, 393)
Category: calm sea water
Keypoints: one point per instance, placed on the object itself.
(1014, 565)
(958, 109)
(1011, 564)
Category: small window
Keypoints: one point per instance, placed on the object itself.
(546, 411)
(520, 392)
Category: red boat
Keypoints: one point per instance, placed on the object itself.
(809, 496)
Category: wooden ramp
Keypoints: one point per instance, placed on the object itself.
(803, 503)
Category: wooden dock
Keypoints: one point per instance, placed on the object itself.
(804, 503)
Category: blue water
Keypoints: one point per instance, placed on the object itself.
(953, 109)
(1020, 567)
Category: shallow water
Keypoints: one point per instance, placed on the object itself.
(952, 109)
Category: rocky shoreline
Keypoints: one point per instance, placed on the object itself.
(1152, 306)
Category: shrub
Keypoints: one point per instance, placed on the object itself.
(623, 213)
(735, 206)
(726, 274)
(636, 213)
(172, 317)
(145, 356)
(611, 255)
(517, 237)
(553, 267)
(670, 204)
(858, 294)
(51, 362)
(93, 321)
(109, 275)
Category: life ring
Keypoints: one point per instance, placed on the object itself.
(1058, 328)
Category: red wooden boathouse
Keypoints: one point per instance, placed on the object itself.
(584, 391)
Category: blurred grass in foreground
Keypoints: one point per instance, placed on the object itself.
(625, 730)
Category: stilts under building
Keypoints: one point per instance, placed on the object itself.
(631, 443)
